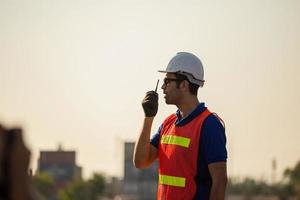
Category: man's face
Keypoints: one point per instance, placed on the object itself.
(172, 93)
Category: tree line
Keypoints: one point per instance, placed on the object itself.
(94, 187)
(289, 186)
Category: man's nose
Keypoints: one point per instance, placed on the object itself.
(163, 86)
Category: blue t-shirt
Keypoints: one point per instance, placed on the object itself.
(212, 147)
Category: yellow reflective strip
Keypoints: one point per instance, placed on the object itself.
(172, 180)
(177, 140)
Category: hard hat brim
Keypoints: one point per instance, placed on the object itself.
(165, 71)
(189, 76)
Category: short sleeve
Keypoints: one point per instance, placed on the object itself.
(213, 140)
(155, 138)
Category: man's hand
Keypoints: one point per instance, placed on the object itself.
(150, 104)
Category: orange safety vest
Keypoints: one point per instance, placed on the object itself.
(178, 155)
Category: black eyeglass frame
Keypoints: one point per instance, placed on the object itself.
(166, 81)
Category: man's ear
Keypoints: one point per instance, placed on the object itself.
(185, 85)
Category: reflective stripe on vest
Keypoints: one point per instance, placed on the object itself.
(172, 180)
(177, 140)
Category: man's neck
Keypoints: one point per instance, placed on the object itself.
(188, 106)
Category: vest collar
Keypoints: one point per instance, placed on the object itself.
(183, 121)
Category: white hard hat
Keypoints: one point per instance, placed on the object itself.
(186, 64)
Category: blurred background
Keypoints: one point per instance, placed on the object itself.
(73, 74)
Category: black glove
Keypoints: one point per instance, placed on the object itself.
(150, 104)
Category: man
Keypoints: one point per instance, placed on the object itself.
(190, 144)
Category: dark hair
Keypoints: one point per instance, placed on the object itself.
(193, 88)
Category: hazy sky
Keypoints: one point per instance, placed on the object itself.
(75, 72)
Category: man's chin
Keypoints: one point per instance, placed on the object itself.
(168, 102)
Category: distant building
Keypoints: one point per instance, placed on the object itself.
(114, 186)
(139, 184)
(61, 166)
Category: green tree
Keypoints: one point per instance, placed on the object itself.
(44, 184)
(293, 176)
(97, 185)
(250, 187)
(77, 190)
(87, 190)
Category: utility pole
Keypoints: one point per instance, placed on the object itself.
(274, 169)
